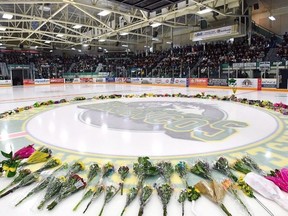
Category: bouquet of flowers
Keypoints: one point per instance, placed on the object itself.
(53, 188)
(280, 178)
(165, 169)
(27, 180)
(165, 192)
(248, 161)
(107, 170)
(43, 184)
(40, 155)
(75, 168)
(123, 172)
(232, 188)
(145, 195)
(53, 162)
(111, 191)
(222, 165)
(143, 169)
(181, 199)
(74, 184)
(240, 166)
(215, 192)
(22, 174)
(95, 192)
(94, 169)
(247, 190)
(267, 189)
(202, 169)
(24, 152)
(132, 194)
(181, 169)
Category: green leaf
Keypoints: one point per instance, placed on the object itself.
(7, 155)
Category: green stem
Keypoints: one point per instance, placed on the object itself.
(183, 208)
(263, 206)
(9, 191)
(123, 211)
(241, 202)
(88, 205)
(4, 189)
(40, 206)
(52, 205)
(28, 195)
(78, 204)
(122, 187)
(165, 210)
(141, 211)
(225, 209)
(102, 209)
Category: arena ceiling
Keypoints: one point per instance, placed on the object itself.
(66, 24)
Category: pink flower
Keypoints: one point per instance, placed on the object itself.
(280, 179)
(24, 152)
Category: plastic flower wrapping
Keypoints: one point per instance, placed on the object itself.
(24, 152)
(181, 168)
(132, 194)
(123, 172)
(213, 191)
(145, 196)
(202, 169)
(111, 191)
(164, 192)
(165, 169)
(267, 189)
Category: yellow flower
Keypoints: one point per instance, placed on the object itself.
(197, 190)
(81, 164)
(62, 178)
(5, 167)
(57, 161)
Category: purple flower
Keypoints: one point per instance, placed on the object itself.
(24, 152)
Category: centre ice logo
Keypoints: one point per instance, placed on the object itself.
(181, 120)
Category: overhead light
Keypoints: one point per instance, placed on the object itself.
(124, 45)
(36, 47)
(1, 44)
(155, 39)
(104, 13)
(73, 48)
(102, 40)
(155, 24)
(2, 47)
(77, 26)
(169, 42)
(124, 33)
(44, 8)
(79, 50)
(47, 42)
(59, 35)
(2, 28)
(204, 11)
(7, 16)
(51, 50)
(85, 45)
(99, 47)
(272, 18)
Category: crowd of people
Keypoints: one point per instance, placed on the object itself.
(202, 59)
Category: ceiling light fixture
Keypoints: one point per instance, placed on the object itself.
(124, 45)
(124, 33)
(73, 48)
(2, 28)
(47, 42)
(272, 18)
(85, 45)
(104, 13)
(59, 35)
(7, 16)
(44, 8)
(102, 40)
(204, 11)
(155, 24)
(77, 26)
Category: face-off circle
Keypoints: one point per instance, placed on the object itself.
(153, 126)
